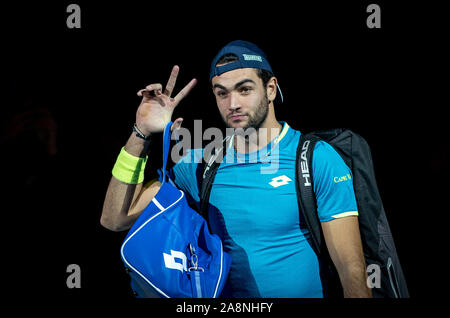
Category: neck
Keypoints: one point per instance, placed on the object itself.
(255, 139)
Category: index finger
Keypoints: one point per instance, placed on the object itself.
(182, 94)
(172, 80)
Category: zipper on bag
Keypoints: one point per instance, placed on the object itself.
(392, 278)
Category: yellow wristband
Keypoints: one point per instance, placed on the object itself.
(128, 168)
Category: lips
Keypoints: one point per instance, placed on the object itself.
(236, 117)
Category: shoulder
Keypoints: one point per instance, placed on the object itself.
(325, 153)
(186, 172)
(327, 162)
(187, 166)
(289, 138)
(191, 156)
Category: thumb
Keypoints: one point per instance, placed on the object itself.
(176, 124)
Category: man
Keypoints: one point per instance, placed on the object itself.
(255, 214)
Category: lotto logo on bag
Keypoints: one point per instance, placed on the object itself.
(169, 260)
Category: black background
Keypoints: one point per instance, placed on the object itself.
(385, 84)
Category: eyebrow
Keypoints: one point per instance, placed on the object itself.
(247, 80)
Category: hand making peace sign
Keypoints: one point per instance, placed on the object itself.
(156, 107)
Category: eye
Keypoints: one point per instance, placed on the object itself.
(221, 94)
(245, 90)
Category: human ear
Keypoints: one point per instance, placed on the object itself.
(271, 89)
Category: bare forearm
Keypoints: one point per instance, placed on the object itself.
(343, 241)
(120, 196)
(354, 281)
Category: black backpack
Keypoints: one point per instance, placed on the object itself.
(385, 273)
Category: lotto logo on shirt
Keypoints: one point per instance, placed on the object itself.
(279, 181)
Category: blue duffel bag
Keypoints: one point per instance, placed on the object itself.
(169, 251)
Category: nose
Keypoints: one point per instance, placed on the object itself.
(234, 101)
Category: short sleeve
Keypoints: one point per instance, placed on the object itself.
(333, 184)
(186, 175)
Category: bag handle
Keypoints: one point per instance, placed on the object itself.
(166, 148)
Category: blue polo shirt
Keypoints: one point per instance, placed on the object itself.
(254, 210)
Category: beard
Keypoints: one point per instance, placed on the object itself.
(255, 121)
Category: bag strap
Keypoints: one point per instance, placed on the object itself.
(305, 189)
(308, 212)
(208, 174)
(166, 148)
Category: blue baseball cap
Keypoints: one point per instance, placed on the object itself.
(249, 56)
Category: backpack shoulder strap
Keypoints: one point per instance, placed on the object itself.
(305, 188)
(208, 174)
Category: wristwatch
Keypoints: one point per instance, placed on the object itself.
(139, 133)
